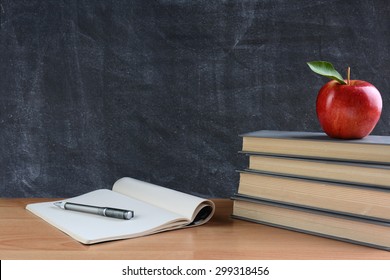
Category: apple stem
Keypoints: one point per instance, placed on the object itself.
(348, 75)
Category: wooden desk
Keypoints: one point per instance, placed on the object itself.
(25, 236)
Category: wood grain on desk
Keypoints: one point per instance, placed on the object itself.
(25, 236)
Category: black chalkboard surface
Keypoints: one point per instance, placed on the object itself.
(92, 91)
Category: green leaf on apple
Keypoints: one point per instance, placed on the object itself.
(326, 69)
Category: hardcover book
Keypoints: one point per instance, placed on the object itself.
(344, 228)
(373, 149)
(370, 203)
(373, 175)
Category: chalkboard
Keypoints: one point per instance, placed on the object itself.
(92, 91)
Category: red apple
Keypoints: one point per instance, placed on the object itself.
(348, 111)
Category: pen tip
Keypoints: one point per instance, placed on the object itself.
(58, 204)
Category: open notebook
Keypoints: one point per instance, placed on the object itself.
(155, 209)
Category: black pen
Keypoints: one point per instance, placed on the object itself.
(102, 211)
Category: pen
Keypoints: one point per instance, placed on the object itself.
(102, 211)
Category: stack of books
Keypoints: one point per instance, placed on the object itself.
(308, 182)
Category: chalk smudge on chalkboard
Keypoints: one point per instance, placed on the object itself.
(2, 12)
